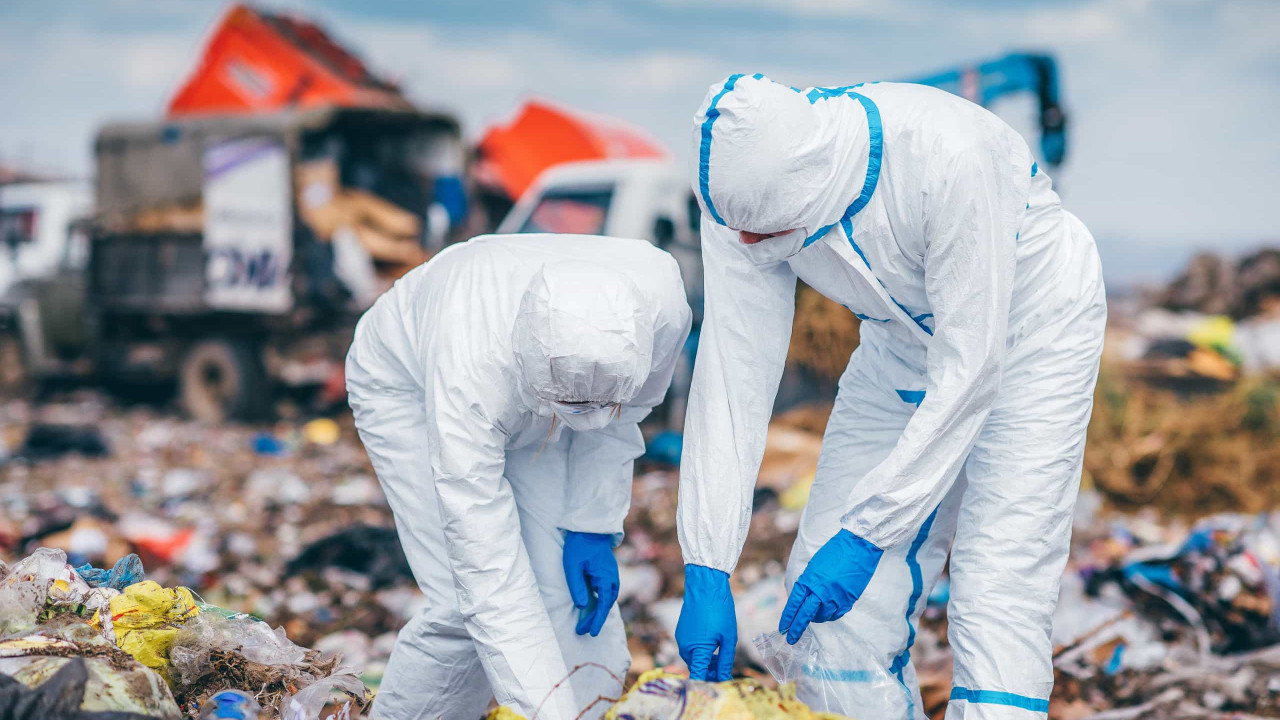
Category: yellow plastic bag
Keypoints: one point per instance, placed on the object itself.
(657, 694)
(146, 617)
(503, 713)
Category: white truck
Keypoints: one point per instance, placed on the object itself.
(646, 199)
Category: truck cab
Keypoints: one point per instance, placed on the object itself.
(645, 199)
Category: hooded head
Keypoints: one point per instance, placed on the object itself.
(583, 341)
(771, 160)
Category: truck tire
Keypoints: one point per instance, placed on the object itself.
(223, 380)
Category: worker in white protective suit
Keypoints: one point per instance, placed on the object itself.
(960, 422)
(497, 390)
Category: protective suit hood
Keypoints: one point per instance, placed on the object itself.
(772, 158)
(581, 336)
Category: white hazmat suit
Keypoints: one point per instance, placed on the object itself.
(962, 413)
(497, 390)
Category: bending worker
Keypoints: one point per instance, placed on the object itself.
(497, 390)
(960, 421)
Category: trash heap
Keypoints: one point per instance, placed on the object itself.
(81, 643)
(659, 695)
(285, 521)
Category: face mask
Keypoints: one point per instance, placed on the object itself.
(776, 249)
(585, 417)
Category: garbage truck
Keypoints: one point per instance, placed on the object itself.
(233, 253)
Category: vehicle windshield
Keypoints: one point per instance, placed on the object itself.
(581, 211)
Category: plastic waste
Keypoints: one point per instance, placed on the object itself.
(759, 608)
(127, 571)
(313, 697)
(48, 442)
(269, 445)
(371, 551)
(32, 675)
(146, 618)
(321, 431)
(661, 696)
(250, 638)
(46, 570)
(230, 705)
(835, 678)
(797, 496)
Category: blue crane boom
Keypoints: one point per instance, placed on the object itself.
(984, 82)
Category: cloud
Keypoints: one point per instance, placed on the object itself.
(1171, 102)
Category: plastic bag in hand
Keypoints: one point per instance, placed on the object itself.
(842, 679)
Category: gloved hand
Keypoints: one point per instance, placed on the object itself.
(592, 574)
(707, 624)
(830, 584)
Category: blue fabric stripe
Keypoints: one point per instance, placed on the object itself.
(875, 159)
(704, 151)
(915, 397)
(860, 316)
(996, 697)
(1035, 168)
(917, 580)
(875, 134)
(838, 675)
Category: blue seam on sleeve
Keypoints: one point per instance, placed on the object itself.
(917, 589)
(996, 697)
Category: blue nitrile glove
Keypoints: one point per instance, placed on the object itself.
(830, 584)
(592, 574)
(707, 624)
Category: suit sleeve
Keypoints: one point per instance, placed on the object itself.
(741, 353)
(971, 227)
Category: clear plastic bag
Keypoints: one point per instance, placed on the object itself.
(844, 679)
(310, 700)
(253, 639)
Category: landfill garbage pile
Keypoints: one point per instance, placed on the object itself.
(105, 643)
(1185, 455)
(1215, 285)
(286, 522)
(658, 695)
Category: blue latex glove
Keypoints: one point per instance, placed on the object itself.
(707, 624)
(830, 584)
(592, 574)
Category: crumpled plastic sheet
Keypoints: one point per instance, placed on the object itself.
(127, 571)
(47, 570)
(309, 701)
(44, 577)
(831, 678)
(253, 639)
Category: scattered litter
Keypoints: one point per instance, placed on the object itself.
(48, 442)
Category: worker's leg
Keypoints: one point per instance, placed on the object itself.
(1014, 529)
(598, 665)
(434, 671)
(865, 424)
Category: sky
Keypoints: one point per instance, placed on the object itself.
(1172, 104)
